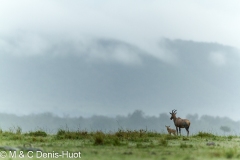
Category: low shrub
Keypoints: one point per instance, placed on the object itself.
(99, 139)
(37, 133)
(229, 154)
(116, 142)
(205, 135)
(184, 145)
(66, 134)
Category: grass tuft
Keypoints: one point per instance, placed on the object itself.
(184, 145)
(163, 142)
(99, 139)
(170, 137)
(205, 135)
(37, 133)
(229, 154)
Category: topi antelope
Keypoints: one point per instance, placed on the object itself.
(173, 131)
(180, 123)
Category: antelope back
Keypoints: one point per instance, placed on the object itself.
(182, 123)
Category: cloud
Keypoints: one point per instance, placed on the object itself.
(113, 50)
(218, 58)
(108, 50)
(25, 43)
(141, 24)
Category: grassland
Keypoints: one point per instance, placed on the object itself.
(120, 145)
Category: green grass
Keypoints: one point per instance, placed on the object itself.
(123, 144)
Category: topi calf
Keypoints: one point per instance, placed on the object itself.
(170, 131)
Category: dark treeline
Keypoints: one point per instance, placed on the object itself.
(133, 121)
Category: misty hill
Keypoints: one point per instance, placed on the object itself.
(133, 121)
(110, 77)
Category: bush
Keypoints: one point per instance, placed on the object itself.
(116, 142)
(229, 154)
(205, 135)
(63, 134)
(230, 137)
(37, 134)
(99, 140)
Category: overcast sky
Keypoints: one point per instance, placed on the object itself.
(87, 57)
